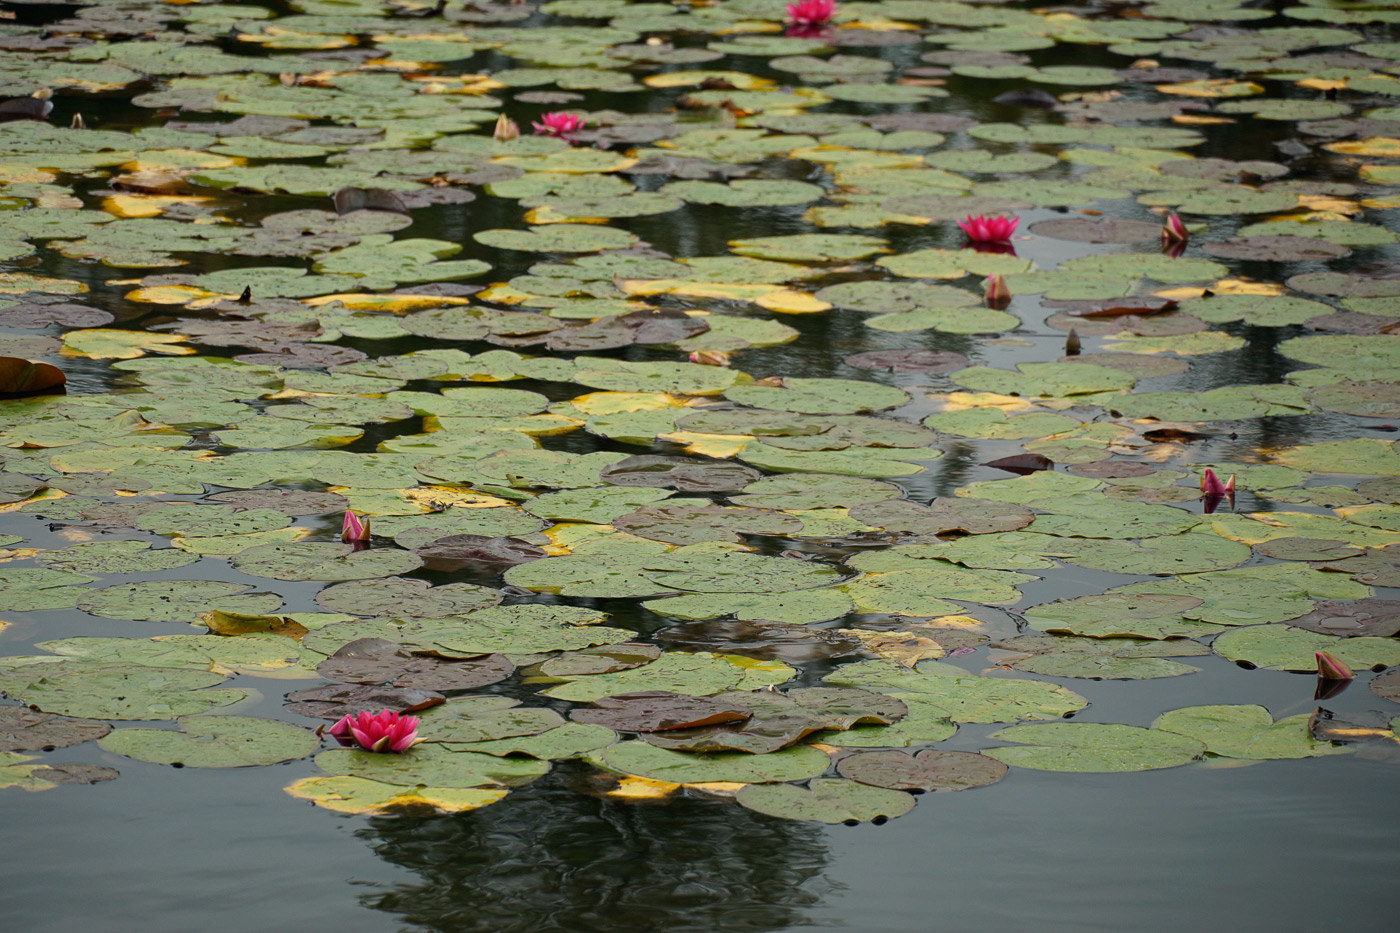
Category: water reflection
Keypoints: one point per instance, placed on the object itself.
(548, 858)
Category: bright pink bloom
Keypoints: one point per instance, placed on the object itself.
(1330, 667)
(352, 529)
(386, 731)
(1174, 231)
(994, 229)
(811, 12)
(558, 123)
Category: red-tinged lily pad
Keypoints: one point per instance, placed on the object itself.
(339, 700)
(909, 361)
(376, 661)
(1098, 230)
(680, 474)
(658, 711)
(73, 772)
(930, 770)
(457, 552)
(24, 730)
(19, 377)
(1282, 248)
(1380, 617)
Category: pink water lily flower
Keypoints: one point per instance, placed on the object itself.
(386, 731)
(811, 12)
(558, 123)
(994, 229)
(1174, 231)
(353, 529)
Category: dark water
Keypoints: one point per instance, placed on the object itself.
(1273, 846)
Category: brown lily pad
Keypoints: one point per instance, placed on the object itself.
(53, 315)
(680, 473)
(72, 772)
(600, 659)
(1281, 248)
(337, 700)
(1387, 685)
(1375, 617)
(929, 770)
(658, 710)
(909, 361)
(1022, 464)
(1112, 307)
(24, 730)
(376, 660)
(456, 552)
(780, 720)
(1098, 230)
(20, 377)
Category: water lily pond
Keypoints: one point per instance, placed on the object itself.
(883, 466)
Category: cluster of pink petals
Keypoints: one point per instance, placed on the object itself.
(811, 12)
(1211, 485)
(1174, 231)
(386, 731)
(994, 229)
(353, 529)
(558, 123)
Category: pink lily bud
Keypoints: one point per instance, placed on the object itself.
(1330, 667)
(710, 357)
(1230, 486)
(995, 292)
(352, 529)
(1211, 485)
(1174, 231)
(506, 129)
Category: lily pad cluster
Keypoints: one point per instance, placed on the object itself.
(699, 448)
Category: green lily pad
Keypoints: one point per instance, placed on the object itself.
(1094, 747)
(1285, 648)
(963, 697)
(176, 600)
(1247, 732)
(659, 764)
(322, 561)
(215, 742)
(1102, 658)
(826, 800)
(98, 690)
